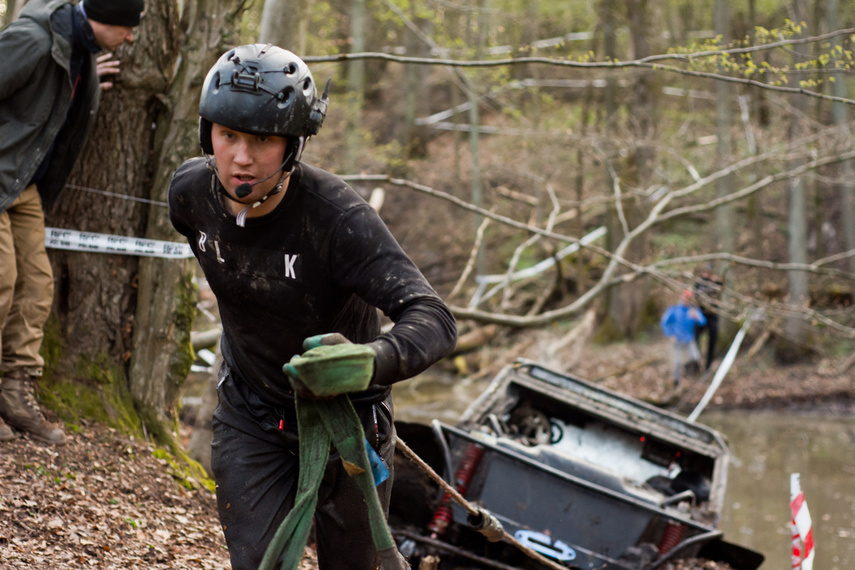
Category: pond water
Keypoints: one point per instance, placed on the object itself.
(767, 447)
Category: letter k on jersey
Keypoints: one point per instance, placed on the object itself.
(290, 260)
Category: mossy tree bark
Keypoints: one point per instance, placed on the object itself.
(166, 304)
(144, 130)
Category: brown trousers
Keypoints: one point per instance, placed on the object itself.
(26, 283)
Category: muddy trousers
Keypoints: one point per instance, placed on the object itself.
(254, 458)
(26, 284)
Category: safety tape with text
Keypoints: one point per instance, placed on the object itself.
(75, 240)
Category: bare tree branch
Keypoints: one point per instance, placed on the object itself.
(649, 62)
(658, 214)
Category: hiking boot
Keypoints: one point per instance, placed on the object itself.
(5, 431)
(19, 407)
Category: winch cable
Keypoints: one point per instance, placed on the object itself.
(481, 519)
(321, 423)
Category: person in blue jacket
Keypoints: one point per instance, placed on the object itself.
(678, 323)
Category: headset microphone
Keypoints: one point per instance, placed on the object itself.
(243, 190)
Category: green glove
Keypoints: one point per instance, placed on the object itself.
(324, 340)
(329, 370)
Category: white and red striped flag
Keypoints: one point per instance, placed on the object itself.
(802, 527)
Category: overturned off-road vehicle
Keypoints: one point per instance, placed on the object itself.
(581, 475)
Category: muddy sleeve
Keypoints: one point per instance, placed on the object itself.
(369, 262)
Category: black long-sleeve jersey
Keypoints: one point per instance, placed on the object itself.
(320, 262)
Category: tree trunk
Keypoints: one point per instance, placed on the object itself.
(103, 349)
(793, 346)
(476, 191)
(284, 23)
(413, 101)
(355, 84)
(607, 15)
(13, 8)
(96, 293)
(626, 302)
(840, 117)
(166, 304)
(724, 215)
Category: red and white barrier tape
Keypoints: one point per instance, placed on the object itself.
(802, 527)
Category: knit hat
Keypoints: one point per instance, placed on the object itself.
(115, 12)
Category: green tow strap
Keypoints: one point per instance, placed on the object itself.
(321, 423)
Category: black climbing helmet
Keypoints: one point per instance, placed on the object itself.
(261, 89)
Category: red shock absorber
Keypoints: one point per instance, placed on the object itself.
(462, 477)
(672, 536)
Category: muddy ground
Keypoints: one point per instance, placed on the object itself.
(105, 501)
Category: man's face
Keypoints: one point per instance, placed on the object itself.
(111, 37)
(243, 158)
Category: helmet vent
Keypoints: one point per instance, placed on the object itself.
(261, 89)
(283, 98)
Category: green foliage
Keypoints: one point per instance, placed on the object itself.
(185, 313)
(96, 390)
(772, 63)
(187, 472)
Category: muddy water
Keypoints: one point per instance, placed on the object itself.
(767, 448)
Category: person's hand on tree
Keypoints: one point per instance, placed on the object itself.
(106, 65)
(331, 365)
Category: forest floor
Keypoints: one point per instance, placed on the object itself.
(105, 501)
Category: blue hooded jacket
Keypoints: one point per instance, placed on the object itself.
(679, 322)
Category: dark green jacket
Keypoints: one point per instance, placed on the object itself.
(35, 96)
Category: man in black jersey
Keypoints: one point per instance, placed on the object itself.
(292, 252)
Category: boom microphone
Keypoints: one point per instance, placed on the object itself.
(243, 190)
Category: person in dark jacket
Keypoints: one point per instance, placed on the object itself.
(708, 288)
(48, 99)
(296, 258)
